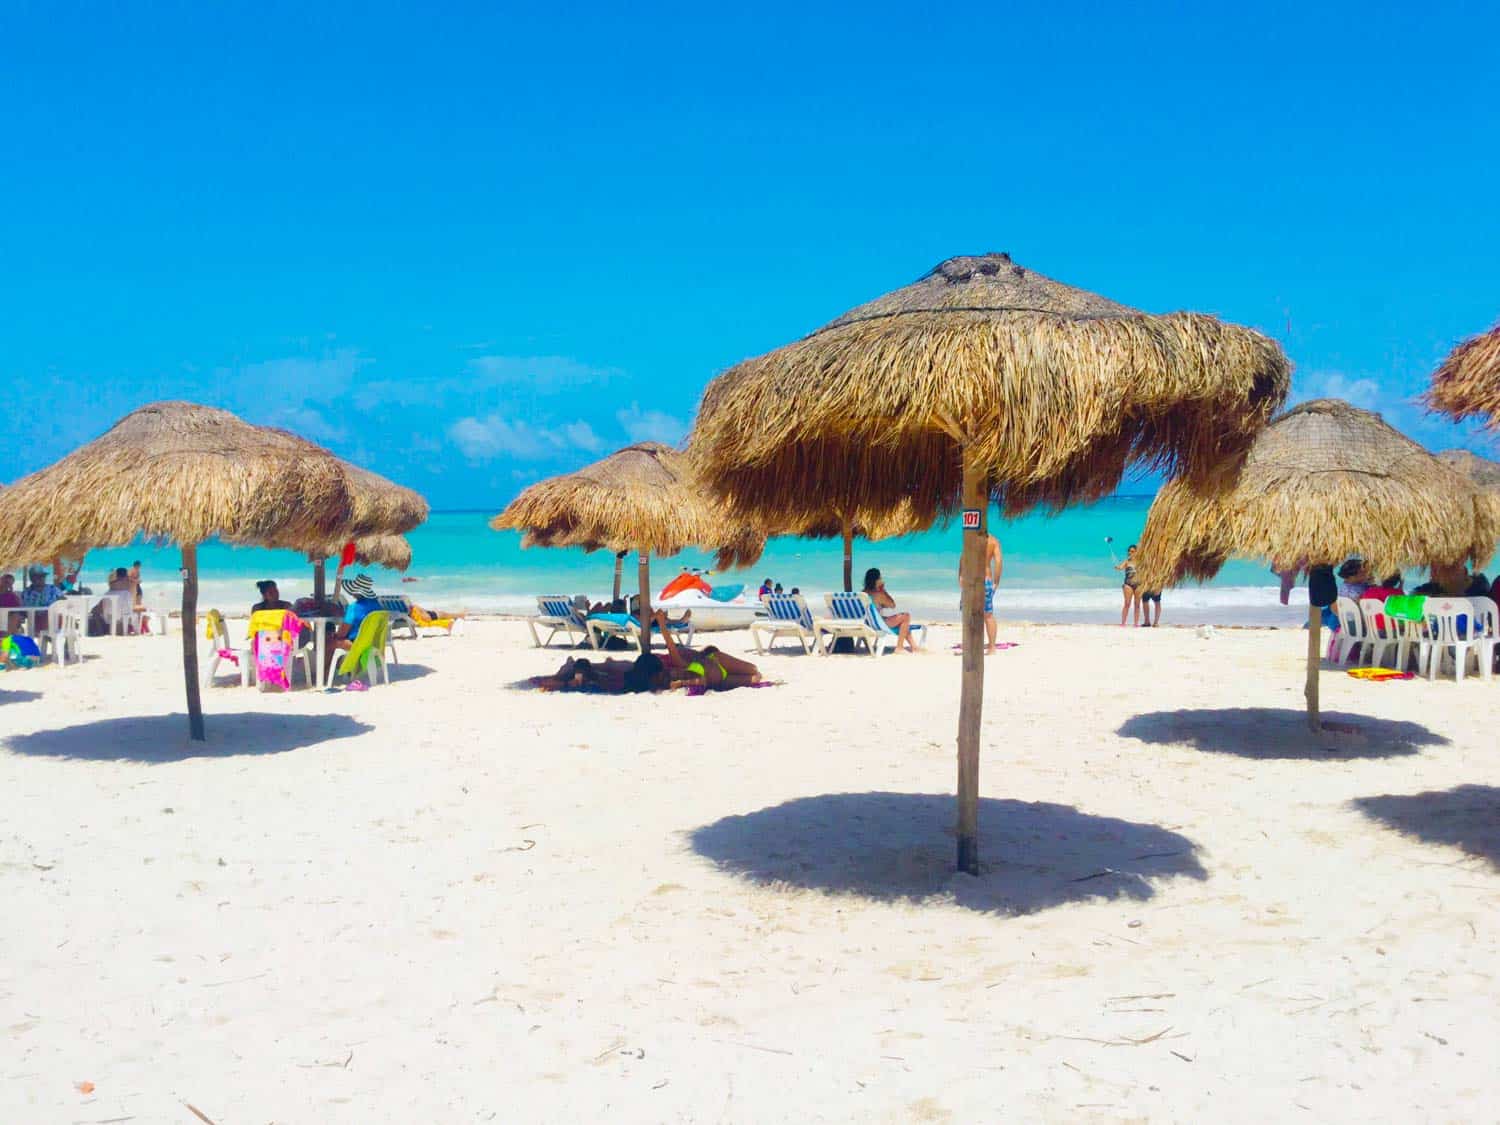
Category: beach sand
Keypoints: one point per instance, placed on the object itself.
(452, 900)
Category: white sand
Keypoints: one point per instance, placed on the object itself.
(449, 900)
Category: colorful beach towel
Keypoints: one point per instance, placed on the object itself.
(273, 641)
(1380, 675)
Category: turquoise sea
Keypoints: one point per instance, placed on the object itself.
(1057, 568)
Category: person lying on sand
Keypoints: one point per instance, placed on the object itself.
(711, 667)
(708, 668)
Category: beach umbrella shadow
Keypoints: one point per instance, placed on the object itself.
(162, 738)
(897, 847)
(1465, 817)
(1270, 733)
(18, 696)
(407, 671)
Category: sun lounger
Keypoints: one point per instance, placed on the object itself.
(787, 615)
(555, 613)
(399, 607)
(603, 626)
(854, 615)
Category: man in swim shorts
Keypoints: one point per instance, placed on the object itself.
(994, 563)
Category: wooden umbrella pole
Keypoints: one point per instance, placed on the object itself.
(190, 640)
(971, 698)
(645, 608)
(320, 580)
(848, 556)
(619, 570)
(1314, 659)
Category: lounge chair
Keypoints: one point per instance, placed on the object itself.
(367, 651)
(787, 615)
(400, 609)
(854, 615)
(603, 626)
(555, 613)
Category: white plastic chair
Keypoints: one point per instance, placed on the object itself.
(66, 628)
(555, 613)
(1448, 638)
(1485, 634)
(787, 615)
(1383, 634)
(222, 648)
(120, 614)
(1352, 633)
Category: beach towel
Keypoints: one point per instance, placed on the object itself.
(273, 643)
(1406, 607)
(421, 617)
(1380, 675)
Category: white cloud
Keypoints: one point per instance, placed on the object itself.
(1362, 392)
(539, 372)
(651, 425)
(300, 379)
(581, 435)
(484, 439)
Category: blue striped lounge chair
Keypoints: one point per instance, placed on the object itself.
(399, 607)
(602, 626)
(854, 615)
(555, 613)
(787, 615)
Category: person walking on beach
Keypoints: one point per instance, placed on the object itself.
(1132, 594)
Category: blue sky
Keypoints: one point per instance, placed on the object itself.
(473, 246)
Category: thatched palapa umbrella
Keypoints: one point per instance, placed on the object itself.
(382, 510)
(390, 551)
(1325, 482)
(1482, 473)
(642, 498)
(982, 379)
(1468, 381)
(180, 473)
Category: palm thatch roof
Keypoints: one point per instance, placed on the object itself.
(1326, 481)
(1053, 391)
(644, 497)
(1468, 381)
(390, 551)
(183, 473)
(1485, 475)
(381, 507)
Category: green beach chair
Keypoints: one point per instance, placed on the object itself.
(367, 650)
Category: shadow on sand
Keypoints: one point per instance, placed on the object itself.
(1467, 817)
(898, 847)
(164, 738)
(1279, 732)
(18, 696)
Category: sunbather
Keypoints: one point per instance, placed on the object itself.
(680, 666)
(885, 605)
(711, 667)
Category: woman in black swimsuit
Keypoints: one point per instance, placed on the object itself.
(1132, 595)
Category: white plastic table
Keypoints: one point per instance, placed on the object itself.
(318, 624)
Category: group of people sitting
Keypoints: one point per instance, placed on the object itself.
(1356, 583)
(705, 669)
(42, 590)
(349, 612)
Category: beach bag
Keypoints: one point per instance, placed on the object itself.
(273, 645)
(22, 650)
